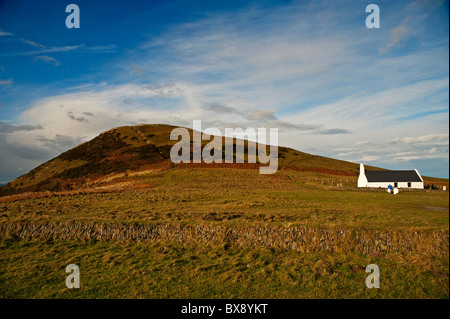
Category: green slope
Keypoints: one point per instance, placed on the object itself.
(128, 149)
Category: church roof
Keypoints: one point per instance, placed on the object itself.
(393, 176)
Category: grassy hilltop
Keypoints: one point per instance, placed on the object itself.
(142, 148)
(141, 227)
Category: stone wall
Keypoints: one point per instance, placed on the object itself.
(291, 238)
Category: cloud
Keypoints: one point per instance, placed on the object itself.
(364, 143)
(421, 139)
(7, 128)
(381, 109)
(37, 45)
(137, 70)
(48, 60)
(101, 107)
(68, 48)
(161, 90)
(79, 119)
(262, 115)
(221, 108)
(100, 48)
(48, 50)
(289, 126)
(6, 82)
(398, 36)
(60, 143)
(334, 131)
(19, 152)
(4, 33)
(18, 158)
(431, 146)
(258, 118)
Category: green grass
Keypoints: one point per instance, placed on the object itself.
(36, 269)
(242, 197)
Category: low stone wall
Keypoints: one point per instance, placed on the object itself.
(291, 238)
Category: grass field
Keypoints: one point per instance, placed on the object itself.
(33, 267)
(242, 197)
(36, 269)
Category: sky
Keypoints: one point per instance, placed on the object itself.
(312, 69)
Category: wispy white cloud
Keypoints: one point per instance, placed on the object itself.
(8, 128)
(46, 50)
(397, 37)
(4, 33)
(48, 59)
(67, 48)
(421, 139)
(6, 82)
(100, 48)
(137, 70)
(333, 131)
(37, 45)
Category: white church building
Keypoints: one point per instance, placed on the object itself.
(382, 179)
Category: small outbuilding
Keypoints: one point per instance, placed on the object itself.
(382, 179)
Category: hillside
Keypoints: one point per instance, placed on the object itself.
(137, 149)
(116, 156)
(142, 227)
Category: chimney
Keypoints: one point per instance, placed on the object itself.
(362, 179)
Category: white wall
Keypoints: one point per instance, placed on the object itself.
(400, 185)
(382, 185)
(362, 179)
(417, 185)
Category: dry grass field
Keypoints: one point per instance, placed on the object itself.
(189, 232)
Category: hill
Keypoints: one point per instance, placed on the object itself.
(129, 149)
(116, 157)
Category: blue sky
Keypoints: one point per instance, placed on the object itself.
(311, 68)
